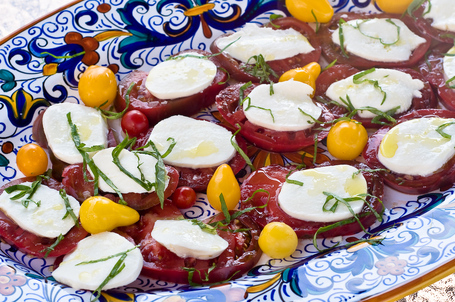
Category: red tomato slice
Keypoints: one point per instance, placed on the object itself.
(227, 102)
(424, 26)
(339, 72)
(234, 67)
(157, 109)
(333, 52)
(411, 184)
(31, 243)
(271, 178)
(159, 263)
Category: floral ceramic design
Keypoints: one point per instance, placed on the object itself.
(41, 66)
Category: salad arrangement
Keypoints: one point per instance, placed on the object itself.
(150, 148)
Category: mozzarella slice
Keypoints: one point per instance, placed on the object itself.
(306, 201)
(91, 127)
(442, 14)
(186, 239)
(180, 77)
(45, 220)
(90, 276)
(253, 40)
(130, 161)
(398, 87)
(282, 110)
(378, 39)
(198, 143)
(449, 65)
(415, 147)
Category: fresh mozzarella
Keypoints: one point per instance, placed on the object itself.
(91, 127)
(130, 161)
(253, 40)
(45, 220)
(398, 87)
(198, 143)
(415, 147)
(282, 109)
(442, 14)
(90, 276)
(181, 76)
(186, 239)
(449, 65)
(382, 40)
(302, 196)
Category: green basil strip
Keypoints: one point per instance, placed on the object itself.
(248, 106)
(387, 115)
(69, 209)
(204, 227)
(294, 182)
(315, 151)
(344, 201)
(341, 37)
(239, 150)
(225, 210)
(273, 17)
(24, 190)
(413, 6)
(260, 70)
(108, 257)
(441, 128)
(315, 121)
(192, 270)
(330, 65)
(315, 20)
(388, 20)
(375, 83)
(117, 269)
(448, 82)
(228, 76)
(242, 92)
(52, 246)
(378, 215)
(112, 115)
(369, 171)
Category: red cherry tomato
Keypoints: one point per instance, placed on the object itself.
(134, 123)
(184, 197)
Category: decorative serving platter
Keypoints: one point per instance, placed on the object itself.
(41, 65)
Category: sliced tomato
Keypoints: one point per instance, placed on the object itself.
(33, 244)
(333, 52)
(442, 179)
(81, 189)
(272, 177)
(432, 69)
(159, 263)
(425, 27)
(236, 67)
(157, 109)
(227, 102)
(342, 71)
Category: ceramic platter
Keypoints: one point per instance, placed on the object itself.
(419, 231)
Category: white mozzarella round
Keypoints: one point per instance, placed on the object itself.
(398, 87)
(186, 239)
(415, 147)
(45, 220)
(449, 65)
(199, 143)
(91, 127)
(358, 39)
(281, 111)
(180, 77)
(253, 40)
(130, 161)
(305, 200)
(442, 14)
(90, 276)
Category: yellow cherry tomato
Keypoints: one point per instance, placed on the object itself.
(346, 139)
(32, 160)
(223, 182)
(100, 214)
(97, 86)
(304, 10)
(306, 74)
(278, 240)
(393, 6)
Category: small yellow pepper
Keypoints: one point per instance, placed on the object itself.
(306, 10)
(223, 182)
(393, 6)
(100, 214)
(306, 74)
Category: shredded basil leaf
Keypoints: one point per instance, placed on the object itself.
(315, 20)
(69, 209)
(375, 83)
(413, 6)
(273, 17)
(50, 248)
(330, 65)
(294, 182)
(239, 150)
(26, 190)
(341, 37)
(113, 115)
(441, 128)
(261, 70)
